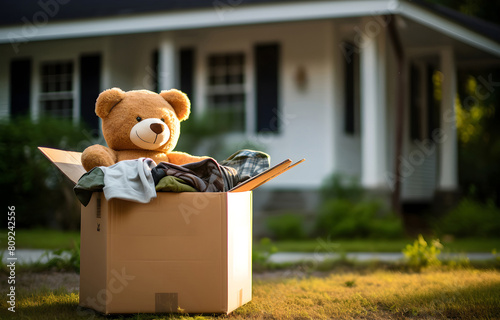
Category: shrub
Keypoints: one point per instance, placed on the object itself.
(341, 187)
(64, 259)
(41, 195)
(421, 255)
(288, 226)
(342, 218)
(260, 257)
(470, 218)
(346, 212)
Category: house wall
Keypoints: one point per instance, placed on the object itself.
(311, 116)
(40, 52)
(306, 113)
(129, 61)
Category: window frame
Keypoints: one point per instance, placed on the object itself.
(37, 83)
(227, 88)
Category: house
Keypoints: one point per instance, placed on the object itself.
(313, 79)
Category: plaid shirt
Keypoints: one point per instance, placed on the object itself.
(248, 163)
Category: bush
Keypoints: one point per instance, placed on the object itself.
(470, 218)
(342, 218)
(63, 259)
(288, 226)
(421, 255)
(346, 212)
(341, 187)
(40, 194)
(260, 257)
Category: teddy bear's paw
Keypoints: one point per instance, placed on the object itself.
(97, 156)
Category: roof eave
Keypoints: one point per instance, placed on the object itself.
(245, 15)
(449, 28)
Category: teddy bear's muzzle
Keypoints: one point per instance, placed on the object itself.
(150, 134)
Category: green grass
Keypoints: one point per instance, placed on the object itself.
(378, 245)
(55, 239)
(41, 239)
(438, 294)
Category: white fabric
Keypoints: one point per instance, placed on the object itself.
(130, 180)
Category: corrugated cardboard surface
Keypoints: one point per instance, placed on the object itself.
(184, 250)
(93, 255)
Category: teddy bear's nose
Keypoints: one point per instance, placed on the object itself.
(156, 128)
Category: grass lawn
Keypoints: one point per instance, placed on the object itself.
(54, 239)
(41, 239)
(458, 294)
(379, 245)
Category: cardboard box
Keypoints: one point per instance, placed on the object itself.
(182, 252)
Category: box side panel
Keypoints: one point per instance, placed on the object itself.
(239, 249)
(93, 253)
(167, 254)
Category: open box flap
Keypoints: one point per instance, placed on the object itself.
(70, 163)
(265, 176)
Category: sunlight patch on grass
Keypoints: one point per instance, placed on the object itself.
(438, 294)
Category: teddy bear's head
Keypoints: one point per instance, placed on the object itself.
(142, 119)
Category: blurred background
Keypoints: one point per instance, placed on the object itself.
(392, 103)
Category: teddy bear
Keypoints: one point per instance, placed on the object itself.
(139, 123)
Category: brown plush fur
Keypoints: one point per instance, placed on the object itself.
(119, 112)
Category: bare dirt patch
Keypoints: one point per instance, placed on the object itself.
(49, 280)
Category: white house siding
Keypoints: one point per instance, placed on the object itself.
(40, 52)
(422, 172)
(129, 61)
(306, 114)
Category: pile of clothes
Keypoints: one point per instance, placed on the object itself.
(139, 180)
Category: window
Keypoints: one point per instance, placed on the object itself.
(226, 92)
(56, 96)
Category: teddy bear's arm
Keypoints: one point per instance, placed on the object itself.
(181, 158)
(96, 156)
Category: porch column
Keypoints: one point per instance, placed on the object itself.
(373, 112)
(448, 172)
(166, 61)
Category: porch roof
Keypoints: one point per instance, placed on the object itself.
(62, 19)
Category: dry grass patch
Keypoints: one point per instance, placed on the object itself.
(459, 294)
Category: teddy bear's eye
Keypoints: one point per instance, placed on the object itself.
(138, 119)
(162, 119)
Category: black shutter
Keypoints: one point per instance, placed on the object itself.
(415, 96)
(186, 77)
(20, 87)
(90, 87)
(433, 105)
(349, 81)
(156, 70)
(267, 87)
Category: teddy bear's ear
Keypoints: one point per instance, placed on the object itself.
(179, 101)
(107, 100)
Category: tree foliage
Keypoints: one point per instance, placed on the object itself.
(41, 195)
(485, 9)
(478, 114)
